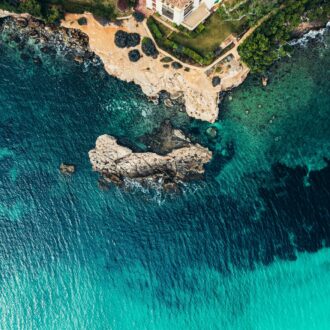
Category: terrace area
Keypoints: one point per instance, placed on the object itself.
(196, 17)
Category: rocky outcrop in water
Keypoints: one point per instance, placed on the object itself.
(117, 162)
(67, 168)
(36, 39)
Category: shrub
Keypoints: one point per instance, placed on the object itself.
(176, 65)
(267, 43)
(192, 54)
(216, 81)
(166, 59)
(149, 48)
(200, 28)
(97, 8)
(82, 21)
(134, 55)
(139, 17)
(133, 39)
(170, 44)
(30, 6)
(121, 39)
(155, 30)
(124, 39)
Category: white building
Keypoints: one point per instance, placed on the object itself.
(188, 13)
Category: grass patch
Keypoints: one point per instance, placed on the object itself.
(201, 46)
(210, 38)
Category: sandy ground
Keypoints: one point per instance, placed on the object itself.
(201, 98)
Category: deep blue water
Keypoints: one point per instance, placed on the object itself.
(245, 249)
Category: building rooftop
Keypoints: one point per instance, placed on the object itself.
(196, 17)
(177, 3)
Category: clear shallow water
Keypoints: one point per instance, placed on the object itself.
(247, 249)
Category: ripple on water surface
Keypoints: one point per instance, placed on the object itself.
(220, 256)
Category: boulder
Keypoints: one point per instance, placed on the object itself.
(22, 22)
(264, 81)
(79, 59)
(67, 168)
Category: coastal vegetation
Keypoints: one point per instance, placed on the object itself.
(52, 10)
(249, 10)
(149, 48)
(268, 43)
(203, 45)
(200, 46)
(124, 39)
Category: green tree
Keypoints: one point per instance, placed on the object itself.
(53, 15)
(30, 6)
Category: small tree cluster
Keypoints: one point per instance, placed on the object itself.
(149, 48)
(124, 39)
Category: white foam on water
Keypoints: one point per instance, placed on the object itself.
(311, 35)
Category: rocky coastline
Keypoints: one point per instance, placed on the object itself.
(36, 40)
(172, 157)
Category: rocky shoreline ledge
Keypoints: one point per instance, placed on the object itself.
(35, 40)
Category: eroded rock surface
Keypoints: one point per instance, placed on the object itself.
(37, 40)
(117, 162)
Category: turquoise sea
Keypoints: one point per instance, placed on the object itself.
(247, 248)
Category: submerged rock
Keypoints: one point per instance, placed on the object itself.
(114, 160)
(212, 132)
(165, 139)
(264, 81)
(67, 168)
